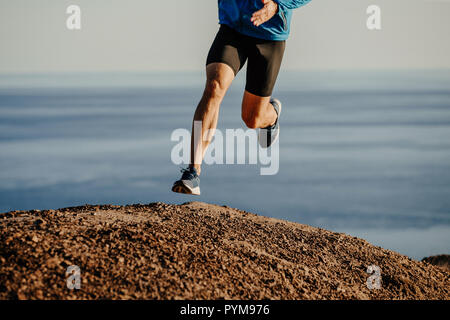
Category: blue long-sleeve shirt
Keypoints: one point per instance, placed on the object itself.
(237, 15)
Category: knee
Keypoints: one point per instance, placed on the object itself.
(214, 89)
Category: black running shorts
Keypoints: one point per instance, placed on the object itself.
(264, 58)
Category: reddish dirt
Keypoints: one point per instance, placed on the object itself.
(196, 251)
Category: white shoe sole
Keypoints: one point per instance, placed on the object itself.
(180, 187)
(263, 136)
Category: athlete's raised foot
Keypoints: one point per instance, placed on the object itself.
(267, 136)
(189, 182)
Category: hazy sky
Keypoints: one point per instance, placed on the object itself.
(146, 35)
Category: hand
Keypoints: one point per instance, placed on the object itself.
(265, 14)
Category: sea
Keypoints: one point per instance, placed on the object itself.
(366, 153)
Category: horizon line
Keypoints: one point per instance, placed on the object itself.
(170, 71)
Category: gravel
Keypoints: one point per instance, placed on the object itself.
(196, 251)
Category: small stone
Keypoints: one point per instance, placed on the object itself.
(21, 296)
(39, 222)
(39, 294)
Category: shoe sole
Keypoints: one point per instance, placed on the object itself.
(280, 104)
(260, 137)
(180, 187)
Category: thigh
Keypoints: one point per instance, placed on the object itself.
(228, 48)
(264, 61)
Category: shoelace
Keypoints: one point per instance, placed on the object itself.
(187, 171)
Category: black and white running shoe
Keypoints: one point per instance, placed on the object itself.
(267, 136)
(189, 182)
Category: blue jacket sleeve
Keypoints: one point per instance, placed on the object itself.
(291, 4)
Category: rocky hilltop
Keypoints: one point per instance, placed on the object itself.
(196, 251)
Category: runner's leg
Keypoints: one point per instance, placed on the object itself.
(257, 112)
(264, 62)
(218, 79)
(225, 58)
